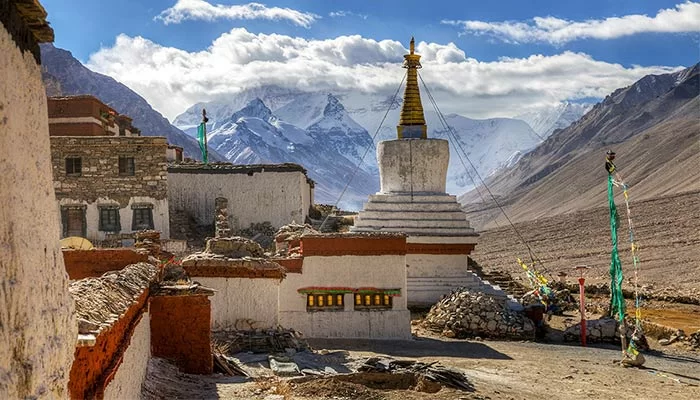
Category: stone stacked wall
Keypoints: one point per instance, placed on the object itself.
(38, 329)
(101, 184)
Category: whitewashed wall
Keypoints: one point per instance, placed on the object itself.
(132, 371)
(161, 215)
(276, 197)
(38, 329)
(240, 299)
(388, 272)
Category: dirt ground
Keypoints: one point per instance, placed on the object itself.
(667, 231)
(496, 370)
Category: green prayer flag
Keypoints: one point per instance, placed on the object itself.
(617, 301)
(202, 137)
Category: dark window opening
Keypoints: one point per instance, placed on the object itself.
(324, 302)
(126, 166)
(143, 219)
(109, 219)
(373, 301)
(74, 166)
(73, 221)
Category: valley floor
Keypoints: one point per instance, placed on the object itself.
(496, 370)
(667, 231)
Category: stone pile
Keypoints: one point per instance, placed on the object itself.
(221, 225)
(598, 330)
(263, 233)
(287, 239)
(694, 340)
(234, 247)
(148, 241)
(464, 313)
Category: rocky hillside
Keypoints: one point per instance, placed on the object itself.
(652, 125)
(64, 75)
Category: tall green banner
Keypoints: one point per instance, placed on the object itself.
(202, 138)
(617, 301)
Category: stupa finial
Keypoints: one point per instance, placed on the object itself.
(412, 121)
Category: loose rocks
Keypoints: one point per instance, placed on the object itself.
(464, 313)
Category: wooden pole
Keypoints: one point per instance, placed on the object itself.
(206, 146)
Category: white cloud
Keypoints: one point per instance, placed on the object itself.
(682, 18)
(172, 79)
(343, 13)
(201, 10)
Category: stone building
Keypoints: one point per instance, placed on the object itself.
(412, 200)
(274, 193)
(108, 180)
(86, 115)
(38, 330)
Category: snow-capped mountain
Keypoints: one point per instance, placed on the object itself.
(546, 121)
(345, 124)
(254, 134)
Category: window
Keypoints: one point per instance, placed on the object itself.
(73, 220)
(126, 166)
(109, 219)
(74, 166)
(143, 218)
(373, 301)
(324, 302)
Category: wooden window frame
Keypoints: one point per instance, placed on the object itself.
(127, 166)
(71, 166)
(64, 219)
(324, 301)
(372, 301)
(138, 209)
(103, 226)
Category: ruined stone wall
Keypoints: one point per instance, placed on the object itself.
(38, 330)
(100, 184)
(278, 197)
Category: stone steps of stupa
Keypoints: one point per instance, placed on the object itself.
(411, 223)
(417, 231)
(401, 207)
(422, 214)
(413, 198)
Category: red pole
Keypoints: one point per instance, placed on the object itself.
(581, 281)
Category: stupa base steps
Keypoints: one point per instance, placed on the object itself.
(425, 291)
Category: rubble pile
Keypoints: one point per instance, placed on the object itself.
(99, 302)
(464, 313)
(234, 247)
(150, 241)
(272, 340)
(434, 372)
(605, 330)
(694, 340)
(287, 239)
(262, 233)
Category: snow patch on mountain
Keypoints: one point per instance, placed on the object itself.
(545, 121)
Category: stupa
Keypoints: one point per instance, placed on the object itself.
(412, 200)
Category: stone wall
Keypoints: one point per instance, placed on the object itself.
(278, 194)
(38, 329)
(101, 185)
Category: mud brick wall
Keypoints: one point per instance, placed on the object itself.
(93, 263)
(180, 332)
(95, 366)
(100, 168)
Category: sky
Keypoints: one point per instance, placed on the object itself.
(480, 59)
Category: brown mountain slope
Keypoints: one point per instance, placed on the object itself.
(653, 125)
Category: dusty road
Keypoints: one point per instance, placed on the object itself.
(497, 370)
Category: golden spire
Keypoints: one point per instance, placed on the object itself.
(412, 121)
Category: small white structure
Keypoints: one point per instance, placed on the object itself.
(274, 193)
(412, 200)
(349, 286)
